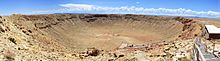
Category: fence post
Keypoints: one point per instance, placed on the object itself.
(213, 49)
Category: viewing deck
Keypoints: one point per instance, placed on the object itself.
(200, 54)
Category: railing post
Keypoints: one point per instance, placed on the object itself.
(195, 53)
(213, 49)
(198, 56)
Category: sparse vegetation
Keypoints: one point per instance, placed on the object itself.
(184, 59)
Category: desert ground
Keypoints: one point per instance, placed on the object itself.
(98, 37)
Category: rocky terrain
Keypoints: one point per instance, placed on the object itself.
(98, 37)
(212, 46)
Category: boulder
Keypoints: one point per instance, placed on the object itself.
(2, 28)
(93, 52)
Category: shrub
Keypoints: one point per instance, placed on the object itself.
(184, 59)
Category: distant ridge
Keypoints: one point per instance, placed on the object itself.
(147, 14)
(72, 13)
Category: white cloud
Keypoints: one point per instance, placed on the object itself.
(86, 8)
(77, 5)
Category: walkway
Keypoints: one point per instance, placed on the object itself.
(207, 56)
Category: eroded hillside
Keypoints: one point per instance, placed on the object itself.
(101, 31)
(65, 36)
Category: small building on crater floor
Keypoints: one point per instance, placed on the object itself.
(213, 32)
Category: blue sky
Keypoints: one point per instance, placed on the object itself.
(200, 8)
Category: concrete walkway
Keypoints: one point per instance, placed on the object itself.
(208, 56)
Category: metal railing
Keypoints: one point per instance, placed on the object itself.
(214, 47)
(197, 54)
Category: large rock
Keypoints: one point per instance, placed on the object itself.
(93, 52)
(3, 28)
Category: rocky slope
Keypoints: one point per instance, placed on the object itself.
(100, 37)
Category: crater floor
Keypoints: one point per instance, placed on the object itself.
(106, 32)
